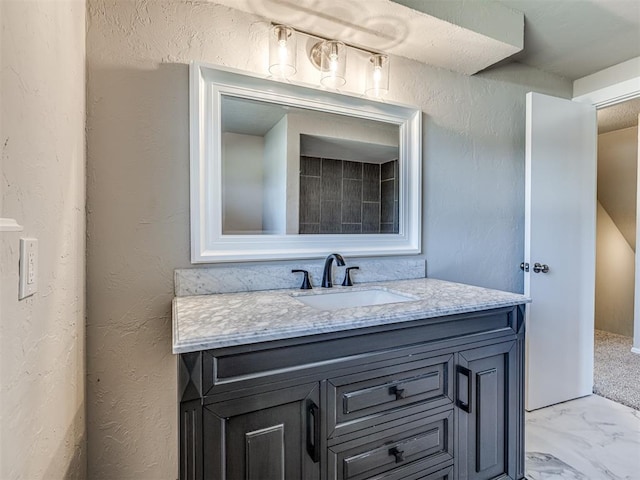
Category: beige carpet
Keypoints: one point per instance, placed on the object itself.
(616, 369)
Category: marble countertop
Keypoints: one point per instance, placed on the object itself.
(203, 322)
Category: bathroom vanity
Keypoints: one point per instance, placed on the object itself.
(427, 388)
(399, 377)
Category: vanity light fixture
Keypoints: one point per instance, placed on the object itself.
(333, 63)
(328, 56)
(282, 51)
(377, 75)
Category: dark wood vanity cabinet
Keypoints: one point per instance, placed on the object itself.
(438, 398)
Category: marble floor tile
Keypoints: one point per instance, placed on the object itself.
(590, 438)
(543, 466)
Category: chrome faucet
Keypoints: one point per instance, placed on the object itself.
(327, 281)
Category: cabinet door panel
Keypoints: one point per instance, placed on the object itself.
(490, 402)
(265, 453)
(190, 440)
(489, 423)
(255, 444)
(264, 440)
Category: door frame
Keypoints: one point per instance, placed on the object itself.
(614, 93)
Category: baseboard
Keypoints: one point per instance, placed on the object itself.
(635, 350)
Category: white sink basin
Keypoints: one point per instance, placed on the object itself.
(352, 298)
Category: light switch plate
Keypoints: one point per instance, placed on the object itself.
(28, 267)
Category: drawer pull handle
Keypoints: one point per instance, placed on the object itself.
(313, 432)
(465, 372)
(398, 392)
(396, 452)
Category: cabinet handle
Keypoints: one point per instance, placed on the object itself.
(464, 406)
(313, 432)
(397, 391)
(396, 452)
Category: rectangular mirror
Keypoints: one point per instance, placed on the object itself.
(280, 171)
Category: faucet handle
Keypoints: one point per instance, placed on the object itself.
(347, 276)
(306, 284)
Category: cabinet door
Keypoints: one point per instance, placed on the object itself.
(487, 397)
(270, 436)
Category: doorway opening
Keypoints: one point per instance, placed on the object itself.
(616, 368)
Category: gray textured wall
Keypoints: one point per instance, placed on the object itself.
(616, 232)
(42, 338)
(617, 178)
(138, 198)
(615, 278)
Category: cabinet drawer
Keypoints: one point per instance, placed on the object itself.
(404, 447)
(428, 380)
(419, 471)
(372, 392)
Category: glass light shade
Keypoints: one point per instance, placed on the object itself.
(334, 64)
(377, 76)
(282, 51)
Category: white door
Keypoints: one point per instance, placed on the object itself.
(560, 233)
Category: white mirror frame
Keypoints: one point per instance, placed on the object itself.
(207, 85)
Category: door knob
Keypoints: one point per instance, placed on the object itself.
(540, 268)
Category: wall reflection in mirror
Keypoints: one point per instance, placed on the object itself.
(289, 170)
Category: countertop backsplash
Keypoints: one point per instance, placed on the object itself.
(231, 279)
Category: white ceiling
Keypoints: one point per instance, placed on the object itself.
(462, 45)
(575, 38)
(616, 117)
(570, 38)
(250, 117)
(343, 149)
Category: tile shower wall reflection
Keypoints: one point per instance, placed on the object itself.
(340, 196)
